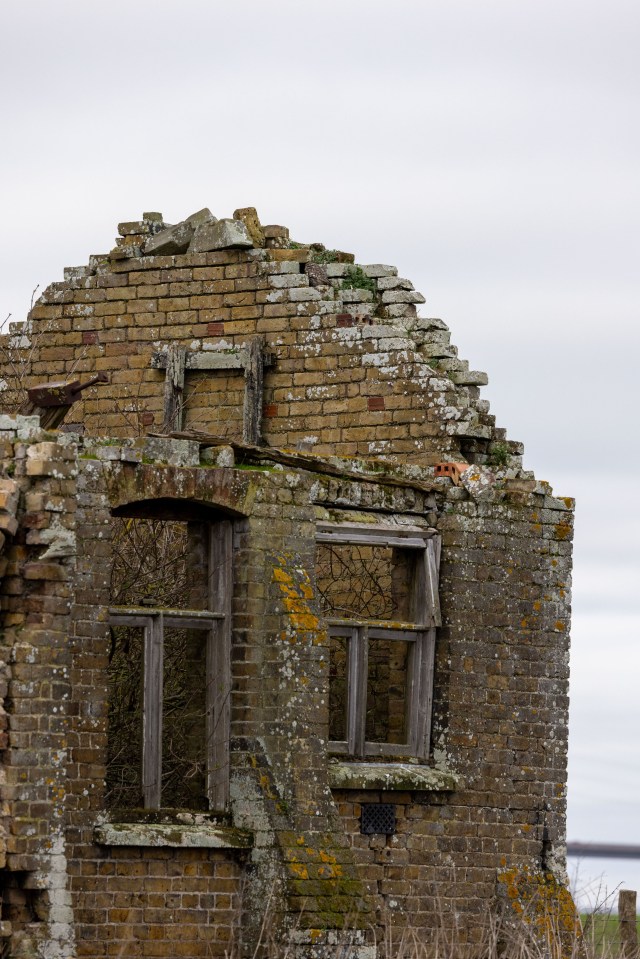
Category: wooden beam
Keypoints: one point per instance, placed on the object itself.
(219, 665)
(174, 388)
(152, 715)
(431, 559)
(52, 401)
(315, 464)
(212, 359)
(209, 360)
(357, 675)
(253, 383)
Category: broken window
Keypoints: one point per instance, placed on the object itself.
(169, 664)
(378, 589)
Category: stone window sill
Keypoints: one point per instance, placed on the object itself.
(177, 835)
(405, 777)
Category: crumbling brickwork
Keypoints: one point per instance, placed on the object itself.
(268, 396)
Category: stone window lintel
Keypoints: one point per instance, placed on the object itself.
(179, 835)
(404, 777)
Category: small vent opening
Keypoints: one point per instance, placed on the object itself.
(378, 819)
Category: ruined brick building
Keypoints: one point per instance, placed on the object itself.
(284, 621)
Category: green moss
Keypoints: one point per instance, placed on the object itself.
(500, 454)
(254, 467)
(355, 278)
(325, 256)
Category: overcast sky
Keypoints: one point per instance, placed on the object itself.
(488, 149)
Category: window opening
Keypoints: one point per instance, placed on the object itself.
(378, 590)
(387, 693)
(169, 665)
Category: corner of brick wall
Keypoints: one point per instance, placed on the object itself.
(37, 489)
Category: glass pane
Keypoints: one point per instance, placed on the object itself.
(338, 688)
(159, 563)
(360, 582)
(387, 677)
(124, 737)
(184, 719)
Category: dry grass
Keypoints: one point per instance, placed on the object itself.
(495, 936)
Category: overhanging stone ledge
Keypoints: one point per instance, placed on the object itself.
(203, 836)
(404, 777)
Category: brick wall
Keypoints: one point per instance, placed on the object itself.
(355, 371)
(350, 372)
(38, 523)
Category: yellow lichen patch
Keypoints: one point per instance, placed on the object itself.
(326, 856)
(265, 785)
(562, 529)
(299, 870)
(547, 909)
(560, 626)
(296, 593)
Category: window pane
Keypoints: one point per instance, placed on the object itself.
(387, 691)
(338, 688)
(184, 719)
(359, 582)
(159, 563)
(124, 741)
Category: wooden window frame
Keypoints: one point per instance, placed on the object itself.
(215, 623)
(420, 634)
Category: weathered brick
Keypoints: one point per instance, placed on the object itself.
(341, 384)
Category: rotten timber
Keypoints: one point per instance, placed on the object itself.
(52, 401)
(177, 361)
(250, 453)
(253, 381)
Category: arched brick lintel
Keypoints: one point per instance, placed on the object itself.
(133, 487)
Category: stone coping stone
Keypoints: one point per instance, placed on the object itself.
(180, 835)
(404, 777)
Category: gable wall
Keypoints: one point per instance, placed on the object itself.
(352, 373)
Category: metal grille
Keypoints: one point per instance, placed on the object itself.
(378, 818)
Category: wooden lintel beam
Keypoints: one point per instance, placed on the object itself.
(212, 359)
